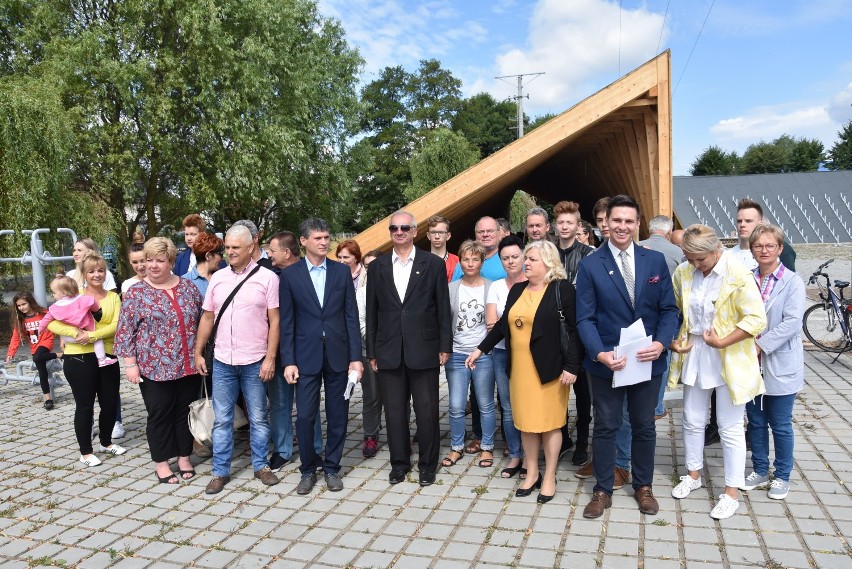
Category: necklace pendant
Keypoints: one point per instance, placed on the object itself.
(519, 323)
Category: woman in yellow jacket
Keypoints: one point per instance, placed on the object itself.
(714, 350)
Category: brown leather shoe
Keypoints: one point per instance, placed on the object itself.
(200, 450)
(585, 471)
(621, 477)
(647, 503)
(595, 508)
(215, 486)
(266, 476)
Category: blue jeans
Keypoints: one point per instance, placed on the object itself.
(458, 378)
(228, 381)
(280, 395)
(777, 413)
(661, 407)
(624, 440)
(501, 378)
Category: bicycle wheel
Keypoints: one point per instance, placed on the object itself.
(823, 329)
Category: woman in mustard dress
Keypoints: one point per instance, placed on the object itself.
(541, 369)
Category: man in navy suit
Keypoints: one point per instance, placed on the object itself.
(409, 336)
(616, 285)
(320, 344)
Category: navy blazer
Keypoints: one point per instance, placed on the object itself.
(303, 320)
(603, 306)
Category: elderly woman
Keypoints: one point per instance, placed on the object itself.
(782, 362)
(156, 338)
(511, 254)
(467, 303)
(208, 249)
(349, 253)
(715, 351)
(87, 380)
(541, 368)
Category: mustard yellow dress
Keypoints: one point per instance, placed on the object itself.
(536, 408)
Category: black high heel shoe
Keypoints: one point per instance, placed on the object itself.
(544, 498)
(524, 492)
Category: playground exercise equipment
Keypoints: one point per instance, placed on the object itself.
(26, 371)
(38, 258)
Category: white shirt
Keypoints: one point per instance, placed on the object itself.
(498, 292)
(631, 259)
(703, 363)
(402, 272)
(744, 256)
(469, 329)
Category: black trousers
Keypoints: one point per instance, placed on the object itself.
(41, 356)
(583, 401)
(398, 386)
(167, 403)
(88, 381)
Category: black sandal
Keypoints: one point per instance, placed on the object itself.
(191, 473)
(167, 479)
(486, 462)
(448, 462)
(510, 471)
(523, 474)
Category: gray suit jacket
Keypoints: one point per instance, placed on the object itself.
(672, 253)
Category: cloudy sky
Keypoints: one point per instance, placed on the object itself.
(742, 70)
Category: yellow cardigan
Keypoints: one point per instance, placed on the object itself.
(738, 306)
(104, 330)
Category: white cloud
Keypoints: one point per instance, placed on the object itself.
(580, 47)
(840, 107)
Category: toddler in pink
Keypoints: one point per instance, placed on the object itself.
(76, 310)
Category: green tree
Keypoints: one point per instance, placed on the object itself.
(487, 124)
(839, 157)
(806, 155)
(435, 96)
(238, 109)
(444, 154)
(537, 121)
(715, 162)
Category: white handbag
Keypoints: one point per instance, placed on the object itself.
(201, 418)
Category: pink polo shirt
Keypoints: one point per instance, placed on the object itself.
(244, 328)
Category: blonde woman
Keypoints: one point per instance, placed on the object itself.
(541, 372)
(715, 351)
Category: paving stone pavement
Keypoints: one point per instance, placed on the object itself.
(53, 511)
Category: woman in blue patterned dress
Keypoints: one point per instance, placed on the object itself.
(156, 337)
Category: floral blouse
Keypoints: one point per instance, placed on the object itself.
(159, 331)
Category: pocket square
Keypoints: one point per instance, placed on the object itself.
(654, 279)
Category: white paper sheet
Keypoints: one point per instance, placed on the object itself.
(633, 339)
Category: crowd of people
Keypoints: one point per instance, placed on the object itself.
(517, 321)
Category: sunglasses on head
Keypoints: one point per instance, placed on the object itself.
(404, 228)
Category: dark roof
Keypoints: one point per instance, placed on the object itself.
(811, 207)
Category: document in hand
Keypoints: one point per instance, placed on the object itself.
(632, 340)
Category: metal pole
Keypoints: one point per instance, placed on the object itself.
(40, 258)
(520, 106)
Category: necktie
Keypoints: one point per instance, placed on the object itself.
(627, 273)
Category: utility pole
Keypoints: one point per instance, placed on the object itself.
(519, 98)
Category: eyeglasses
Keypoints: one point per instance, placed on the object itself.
(438, 232)
(486, 231)
(404, 228)
(768, 248)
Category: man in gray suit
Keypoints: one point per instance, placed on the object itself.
(660, 228)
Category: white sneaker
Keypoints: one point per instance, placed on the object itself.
(724, 508)
(118, 430)
(90, 460)
(113, 449)
(687, 485)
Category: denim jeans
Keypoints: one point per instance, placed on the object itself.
(458, 378)
(775, 411)
(624, 440)
(511, 433)
(280, 395)
(228, 381)
(661, 407)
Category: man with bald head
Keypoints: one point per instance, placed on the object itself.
(488, 233)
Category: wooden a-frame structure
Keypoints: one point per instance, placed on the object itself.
(615, 141)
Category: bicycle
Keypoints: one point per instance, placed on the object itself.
(828, 324)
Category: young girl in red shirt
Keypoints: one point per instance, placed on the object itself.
(25, 323)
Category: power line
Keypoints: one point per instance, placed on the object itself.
(519, 98)
(663, 27)
(693, 47)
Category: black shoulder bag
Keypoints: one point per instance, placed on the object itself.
(211, 342)
(564, 339)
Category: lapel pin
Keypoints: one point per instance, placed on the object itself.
(610, 273)
(416, 272)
